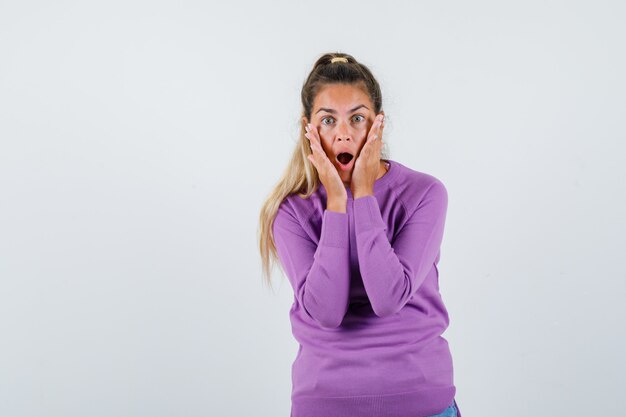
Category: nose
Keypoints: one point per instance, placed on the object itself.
(343, 132)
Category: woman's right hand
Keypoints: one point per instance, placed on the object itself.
(328, 174)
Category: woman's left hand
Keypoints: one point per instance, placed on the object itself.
(367, 165)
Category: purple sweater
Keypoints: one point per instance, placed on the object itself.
(367, 312)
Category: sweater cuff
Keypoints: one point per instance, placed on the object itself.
(335, 230)
(367, 213)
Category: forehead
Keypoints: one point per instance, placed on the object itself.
(341, 97)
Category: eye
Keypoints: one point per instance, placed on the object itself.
(358, 115)
(325, 118)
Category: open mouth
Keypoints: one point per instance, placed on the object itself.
(344, 158)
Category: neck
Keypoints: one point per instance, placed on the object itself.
(383, 168)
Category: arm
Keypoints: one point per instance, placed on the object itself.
(391, 275)
(319, 273)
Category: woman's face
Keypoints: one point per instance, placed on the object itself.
(343, 115)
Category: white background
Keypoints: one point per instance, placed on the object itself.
(138, 141)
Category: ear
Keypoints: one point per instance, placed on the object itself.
(304, 122)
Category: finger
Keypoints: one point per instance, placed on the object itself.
(313, 156)
(311, 136)
(379, 138)
(312, 140)
(316, 134)
(310, 133)
(317, 142)
(375, 131)
(381, 124)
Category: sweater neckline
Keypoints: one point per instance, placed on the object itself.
(379, 185)
(383, 181)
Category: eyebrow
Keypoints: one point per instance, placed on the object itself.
(334, 111)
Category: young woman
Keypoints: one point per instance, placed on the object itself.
(359, 238)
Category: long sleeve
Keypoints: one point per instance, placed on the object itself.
(392, 274)
(318, 273)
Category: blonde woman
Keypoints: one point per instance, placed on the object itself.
(358, 237)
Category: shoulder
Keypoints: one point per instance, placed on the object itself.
(292, 211)
(415, 187)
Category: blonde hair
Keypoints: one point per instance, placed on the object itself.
(300, 175)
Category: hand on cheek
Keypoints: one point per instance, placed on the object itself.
(326, 171)
(367, 164)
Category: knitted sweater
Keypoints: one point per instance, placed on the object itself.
(367, 311)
